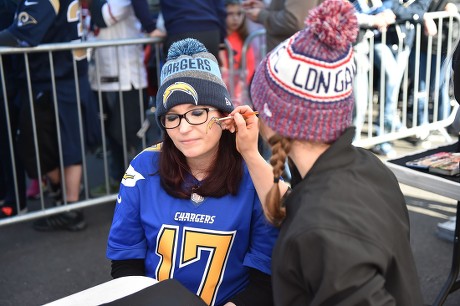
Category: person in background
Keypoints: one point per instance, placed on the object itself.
(344, 227)
(39, 22)
(438, 82)
(9, 117)
(392, 56)
(281, 18)
(188, 209)
(237, 32)
(119, 69)
(373, 17)
(200, 19)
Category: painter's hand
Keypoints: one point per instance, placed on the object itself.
(246, 126)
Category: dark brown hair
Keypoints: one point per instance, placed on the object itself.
(243, 30)
(224, 174)
(273, 210)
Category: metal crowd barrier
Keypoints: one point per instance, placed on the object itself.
(371, 129)
(44, 208)
(371, 114)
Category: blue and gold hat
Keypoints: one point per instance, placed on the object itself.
(191, 75)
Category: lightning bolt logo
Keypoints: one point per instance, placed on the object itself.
(180, 86)
(131, 177)
(128, 176)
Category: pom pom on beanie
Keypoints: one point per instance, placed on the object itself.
(191, 75)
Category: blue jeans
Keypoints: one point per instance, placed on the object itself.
(394, 66)
(443, 89)
(361, 84)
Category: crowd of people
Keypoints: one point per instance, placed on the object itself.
(393, 28)
(46, 112)
(121, 77)
(200, 202)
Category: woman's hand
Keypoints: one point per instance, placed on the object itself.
(246, 126)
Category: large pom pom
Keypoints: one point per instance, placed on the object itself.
(335, 23)
(187, 46)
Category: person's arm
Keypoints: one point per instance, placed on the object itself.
(129, 267)
(258, 292)
(106, 13)
(413, 13)
(288, 20)
(127, 243)
(253, 8)
(246, 140)
(142, 12)
(30, 34)
(8, 39)
(160, 30)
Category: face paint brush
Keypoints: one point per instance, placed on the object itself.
(245, 115)
(218, 120)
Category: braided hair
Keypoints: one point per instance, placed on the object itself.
(274, 211)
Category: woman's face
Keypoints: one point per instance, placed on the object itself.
(235, 17)
(195, 141)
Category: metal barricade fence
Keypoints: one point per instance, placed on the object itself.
(417, 110)
(44, 207)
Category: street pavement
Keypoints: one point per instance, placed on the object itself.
(40, 267)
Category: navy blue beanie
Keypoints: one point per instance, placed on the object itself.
(191, 75)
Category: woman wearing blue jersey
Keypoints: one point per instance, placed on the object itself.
(188, 209)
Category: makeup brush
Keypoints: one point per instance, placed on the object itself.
(245, 115)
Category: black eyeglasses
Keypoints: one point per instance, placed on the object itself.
(195, 116)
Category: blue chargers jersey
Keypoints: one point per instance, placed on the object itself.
(46, 22)
(208, 247)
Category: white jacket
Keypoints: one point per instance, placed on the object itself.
(121, 24)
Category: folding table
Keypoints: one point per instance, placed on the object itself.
(448, 186)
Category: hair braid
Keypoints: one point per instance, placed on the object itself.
(280, 149)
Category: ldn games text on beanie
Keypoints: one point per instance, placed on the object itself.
(303, 88)
(191, 75)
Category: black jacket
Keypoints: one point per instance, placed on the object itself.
(408, 14)
(345, 240)
(437, 6)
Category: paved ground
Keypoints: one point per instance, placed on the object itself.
(37, 268)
